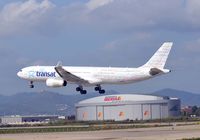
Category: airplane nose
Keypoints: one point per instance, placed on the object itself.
(19, 74)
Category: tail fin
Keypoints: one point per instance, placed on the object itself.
(159, 59)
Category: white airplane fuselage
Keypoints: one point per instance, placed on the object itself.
(97, 75)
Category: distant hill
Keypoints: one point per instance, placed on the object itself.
(187, 98)
(31, 103)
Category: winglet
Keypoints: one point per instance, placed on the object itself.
(59, 64)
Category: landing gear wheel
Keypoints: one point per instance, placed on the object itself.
(97, 88)
(31, 86)
(78, 89)
(83, 91)
(102, 91)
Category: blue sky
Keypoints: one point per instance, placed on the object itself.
(122, 33)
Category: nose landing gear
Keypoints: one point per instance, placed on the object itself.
(31, 84)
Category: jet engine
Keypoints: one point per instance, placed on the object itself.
(56, 83)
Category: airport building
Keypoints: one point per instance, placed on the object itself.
(127, 107)
(27, 119)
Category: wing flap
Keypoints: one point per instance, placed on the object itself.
(66, 75)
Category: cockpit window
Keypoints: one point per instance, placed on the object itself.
(21, 70)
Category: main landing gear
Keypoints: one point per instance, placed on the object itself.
(98, 88)
(31, 84)
(81, 90)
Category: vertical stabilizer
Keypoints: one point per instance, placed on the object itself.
(159, 59)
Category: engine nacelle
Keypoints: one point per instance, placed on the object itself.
(56, 83)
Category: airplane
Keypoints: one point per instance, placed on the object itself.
(60, 76)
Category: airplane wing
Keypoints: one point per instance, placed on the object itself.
(66, 75)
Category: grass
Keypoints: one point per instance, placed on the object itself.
(69, 126)
(67, 129)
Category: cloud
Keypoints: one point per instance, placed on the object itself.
(103, 15)
(127, 42)
(19, 17)
(193, 46)
(129, 15)
(193, 12)
(23, 62)
(94, 4)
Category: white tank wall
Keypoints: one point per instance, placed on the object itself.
(86, 113)
(99, 113)
(147, 110)
(156, 113)
(123, 112)
(164, 111)
(137, 112)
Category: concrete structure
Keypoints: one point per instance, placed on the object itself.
(27, 119)
(127, 107)
(11, 119)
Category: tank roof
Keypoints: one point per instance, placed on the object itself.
(121, 98)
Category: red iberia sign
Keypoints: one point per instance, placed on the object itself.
(112, 98)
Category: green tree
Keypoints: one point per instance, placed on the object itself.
(194, 109)
(197, 113)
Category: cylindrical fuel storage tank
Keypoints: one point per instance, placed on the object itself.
(127, 107)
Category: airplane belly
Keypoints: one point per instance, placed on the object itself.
(125, 79)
